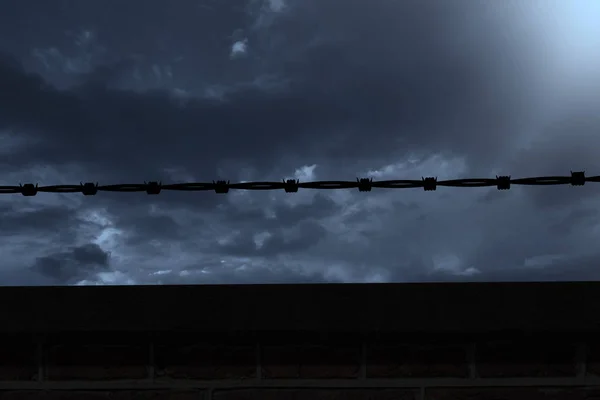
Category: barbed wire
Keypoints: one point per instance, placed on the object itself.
(293, 185)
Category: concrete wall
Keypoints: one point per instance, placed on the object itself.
(388, 342)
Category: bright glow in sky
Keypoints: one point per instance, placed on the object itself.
(572, 32)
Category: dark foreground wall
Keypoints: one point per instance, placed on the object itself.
(376, 342)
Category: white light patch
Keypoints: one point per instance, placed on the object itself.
(261, 238)
(103, 232)
(239, 49)
(580, 20)
(569, 33)
(115, 278)
(414, 168)
(108, 278)
(305, 173)
(162, 272)
(454, 265)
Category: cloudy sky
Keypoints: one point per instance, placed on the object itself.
(195, 90)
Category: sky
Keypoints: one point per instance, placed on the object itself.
(199, 90)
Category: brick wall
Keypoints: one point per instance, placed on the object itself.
(186, 367)
(283, 342)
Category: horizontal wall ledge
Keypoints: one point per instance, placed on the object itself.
(301, 383)
(358, 308)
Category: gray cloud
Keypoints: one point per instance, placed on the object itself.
(389, 89)
(72, 265)
(298, 239)
(403, 91)
(44, 221)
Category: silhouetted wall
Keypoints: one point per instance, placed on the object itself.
(377, 342)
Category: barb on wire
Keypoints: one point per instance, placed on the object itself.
(503, 182)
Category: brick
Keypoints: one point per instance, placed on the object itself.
(316, 394)
(97, 362)
(311, 361)
(102, 395)
(202, 361)
(526, 359)
(18, 361)
(511, 394)
(416, 361)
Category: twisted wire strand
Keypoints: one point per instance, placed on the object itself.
(577, 178)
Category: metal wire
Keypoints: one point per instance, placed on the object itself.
(292, 185)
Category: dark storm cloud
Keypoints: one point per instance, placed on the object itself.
(85, 126)
(283, 214)
(579, 268)
(581, 217)
(346, 86)
(75, 264)
(260, 275)
(15, 220)
(301, 238)
(569, 142)
(386, 78)
(143, 226)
